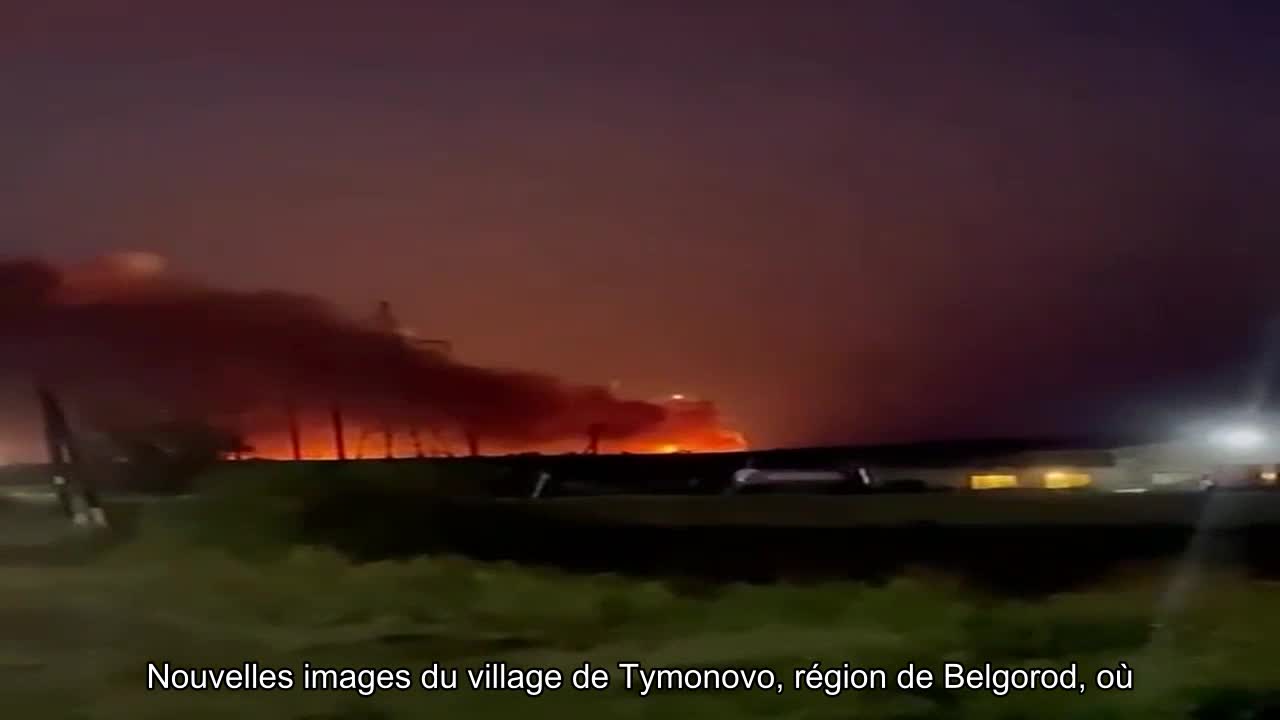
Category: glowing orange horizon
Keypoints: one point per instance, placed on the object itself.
(317, 443)
(691, 425)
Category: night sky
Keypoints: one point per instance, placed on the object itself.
(844, 221)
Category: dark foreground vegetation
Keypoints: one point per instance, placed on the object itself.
(357, 566)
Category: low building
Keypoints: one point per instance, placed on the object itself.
(1121, 467)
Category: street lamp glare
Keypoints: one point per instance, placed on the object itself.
(1240, 437)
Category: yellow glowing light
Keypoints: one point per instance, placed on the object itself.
(1269, 477)
(677, 396)
(1058, 480)
(669, 448)
(993, 482)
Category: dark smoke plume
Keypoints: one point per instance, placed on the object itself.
(127, 342)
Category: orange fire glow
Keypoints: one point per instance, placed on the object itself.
(691, 426)
(317, 443)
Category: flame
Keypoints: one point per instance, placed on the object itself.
(318, 443)
(136, 346)
(690, 426)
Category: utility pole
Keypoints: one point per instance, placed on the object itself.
(593, 438)
(339, 434)
(295, 434)
(66, 466)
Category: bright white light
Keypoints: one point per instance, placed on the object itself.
(677, 396)
(1240, 437)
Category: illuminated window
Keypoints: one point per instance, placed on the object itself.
(1058, 480)
(1174, 478)
(992, 482)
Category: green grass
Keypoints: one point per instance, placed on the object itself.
(231, 578)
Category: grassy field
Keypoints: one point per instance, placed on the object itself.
(242, 575)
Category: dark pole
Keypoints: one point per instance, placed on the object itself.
(417, 441)
(58, 461)
(359, 453)
(64, 456)
(295, 434)
(339, 436)
(593, 439)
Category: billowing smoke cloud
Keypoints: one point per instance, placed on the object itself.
(128, 342)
